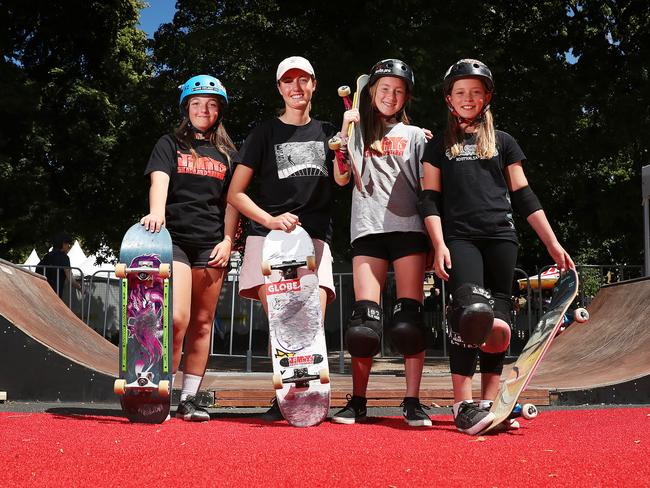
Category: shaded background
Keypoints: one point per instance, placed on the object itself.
(85, 94)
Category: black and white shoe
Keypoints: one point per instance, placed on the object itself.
(354, 411)
(472, 419)
(414, 414)
(273, 414)
(190, 410)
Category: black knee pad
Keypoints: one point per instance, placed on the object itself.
(492, 363)
(462, 359)
(502, 305)
(363, 335)
(470, 313)
(408, 332)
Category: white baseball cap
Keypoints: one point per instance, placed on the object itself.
(297, 62)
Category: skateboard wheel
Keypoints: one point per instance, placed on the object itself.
(120, 270)
(344, 91)
(529, 411)
(334, 143)
(581, 315)
(277, 381)
(324, 376)
(119, 386)
(165, 270)
(163, 388)
(266, 268)
(311, 263)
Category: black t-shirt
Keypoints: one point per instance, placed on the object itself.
(294, 167)
(54, 276)
(475, 197)
(196, 198)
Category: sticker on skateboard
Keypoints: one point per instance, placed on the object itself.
(299, 352)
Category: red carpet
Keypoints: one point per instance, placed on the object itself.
(561, 448)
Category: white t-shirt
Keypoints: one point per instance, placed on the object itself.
(387, 197)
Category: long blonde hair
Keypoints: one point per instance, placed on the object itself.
(373, 128)
(217, 135)
(485, 137)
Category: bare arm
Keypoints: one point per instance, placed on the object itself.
(431, 181)
(155, 219)
(221, 253)
(238, 198)
(516, 180)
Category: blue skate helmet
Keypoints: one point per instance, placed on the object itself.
(202, 85)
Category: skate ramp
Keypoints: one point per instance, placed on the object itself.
(611, 348)
(46, 351)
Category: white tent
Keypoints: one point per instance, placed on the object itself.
(33, 259)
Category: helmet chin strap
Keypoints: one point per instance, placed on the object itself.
(470, 122)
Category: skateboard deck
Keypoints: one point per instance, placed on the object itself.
(355, 131)
(298, 349)
(145, 345)
(535, 349)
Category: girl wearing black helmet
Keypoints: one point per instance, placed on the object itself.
(473, 180)
(190, 171)
(386, 228)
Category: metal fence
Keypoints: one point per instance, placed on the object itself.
(241, 328)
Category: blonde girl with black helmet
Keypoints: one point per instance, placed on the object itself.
(473, 180)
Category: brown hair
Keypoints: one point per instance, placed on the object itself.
(217, 135)
(373, 128)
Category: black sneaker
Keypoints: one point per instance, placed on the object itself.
(190, 410)
(273, 414)
(355, 411)
(414, 414)
(472, 419)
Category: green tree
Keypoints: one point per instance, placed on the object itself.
(71, 100)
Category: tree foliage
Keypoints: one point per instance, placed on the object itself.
(83, 107)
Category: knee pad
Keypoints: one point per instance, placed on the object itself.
(492, 362)
(462, 359)
(363, 335)
(502, 305)
(471, 314)
(408, 332)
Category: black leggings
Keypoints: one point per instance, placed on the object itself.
(489, 263)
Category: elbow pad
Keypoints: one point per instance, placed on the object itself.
(525, 202)
(429, 203)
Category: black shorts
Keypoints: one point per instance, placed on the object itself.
(193, 256)
(391, 245)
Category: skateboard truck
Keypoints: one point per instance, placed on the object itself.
(301, 378)
(289, 269)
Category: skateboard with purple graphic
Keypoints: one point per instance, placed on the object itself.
(533, 353)
(145, 345)
(298, 349)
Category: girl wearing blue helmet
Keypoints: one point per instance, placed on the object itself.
(190, 171)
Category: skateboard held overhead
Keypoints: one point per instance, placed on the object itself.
(533, 353)
(145, 345)
(298, 349)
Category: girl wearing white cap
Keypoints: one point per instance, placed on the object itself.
(190, 171)
(288, 194)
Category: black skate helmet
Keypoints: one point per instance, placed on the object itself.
(468, 68)
(392, 67)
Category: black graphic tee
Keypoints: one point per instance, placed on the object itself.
(293, 166)
(196, 198)
(475, 197)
